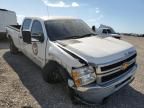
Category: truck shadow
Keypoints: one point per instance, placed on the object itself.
(4, 44)
(49, 96)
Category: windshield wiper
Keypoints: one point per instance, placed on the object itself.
(87, 35)
(82, 36)
(72, 37)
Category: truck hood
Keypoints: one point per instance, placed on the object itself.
(117, 35)
(98, 50)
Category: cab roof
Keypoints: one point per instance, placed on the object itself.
(45, 18)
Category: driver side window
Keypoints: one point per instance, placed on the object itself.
(104, 31)
(37, 30)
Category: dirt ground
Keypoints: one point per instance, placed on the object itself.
(22, 86)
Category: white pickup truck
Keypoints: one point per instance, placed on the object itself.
(68, 50)
(107, 32)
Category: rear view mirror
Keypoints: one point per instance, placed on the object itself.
(26, 36)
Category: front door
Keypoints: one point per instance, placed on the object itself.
(38, 44)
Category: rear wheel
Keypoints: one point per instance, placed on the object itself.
(13, 48)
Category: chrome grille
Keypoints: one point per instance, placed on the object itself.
(112, 66)
(116, 74)
(109, 72)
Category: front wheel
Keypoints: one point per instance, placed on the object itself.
(51, 73)
(54, 73)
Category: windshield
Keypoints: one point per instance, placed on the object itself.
(67, 29)
(110, 31)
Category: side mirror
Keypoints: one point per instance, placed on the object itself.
(38, 36)
(26, 36)
(41, 39)
(94, 28)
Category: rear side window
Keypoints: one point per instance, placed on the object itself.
(26, 24)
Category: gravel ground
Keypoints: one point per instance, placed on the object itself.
(22, 86)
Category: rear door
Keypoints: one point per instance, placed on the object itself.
(25, 48)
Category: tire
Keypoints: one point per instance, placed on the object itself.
(54, 73)
(72, 94)
(51, 73)
(13, 48)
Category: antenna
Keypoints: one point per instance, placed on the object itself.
(47, 8)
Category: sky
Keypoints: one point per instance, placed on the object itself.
(126, 16)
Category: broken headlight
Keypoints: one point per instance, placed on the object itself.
(83, 76)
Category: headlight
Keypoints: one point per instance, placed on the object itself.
(83, 76)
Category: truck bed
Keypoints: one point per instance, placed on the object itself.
(15, 27)
(13, 32)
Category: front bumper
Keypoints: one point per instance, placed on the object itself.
(94, 94)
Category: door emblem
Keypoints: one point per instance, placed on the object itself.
(35, 48)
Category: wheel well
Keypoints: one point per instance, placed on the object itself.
(9, 37)
(64, 73)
